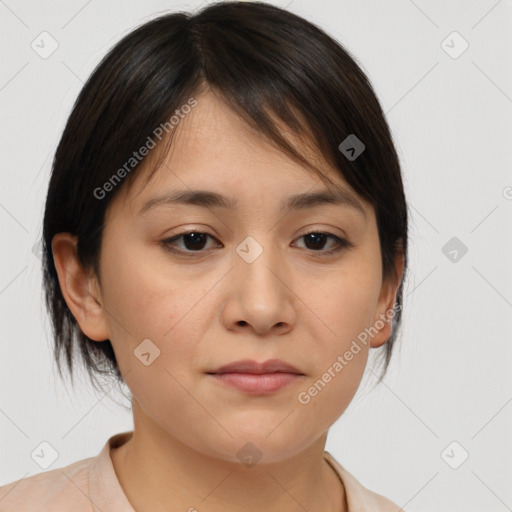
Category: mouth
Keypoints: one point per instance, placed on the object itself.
(256, 378)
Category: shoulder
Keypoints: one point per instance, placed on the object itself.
(359, 498)
(51, 491)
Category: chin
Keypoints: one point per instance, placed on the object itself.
(266, 446)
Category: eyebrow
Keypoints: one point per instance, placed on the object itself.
(209, 199)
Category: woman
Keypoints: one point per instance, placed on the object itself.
(226, 233)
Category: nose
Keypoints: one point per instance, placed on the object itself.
(260, 295)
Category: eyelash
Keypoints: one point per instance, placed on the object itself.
(341, 243)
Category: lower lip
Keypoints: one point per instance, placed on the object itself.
(257, 384)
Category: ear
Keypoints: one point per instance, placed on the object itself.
(79, 288)
(382, 322)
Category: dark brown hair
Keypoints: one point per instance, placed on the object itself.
(273, 68)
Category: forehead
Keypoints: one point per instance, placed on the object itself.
(212, 148)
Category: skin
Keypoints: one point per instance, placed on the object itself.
(205, 309)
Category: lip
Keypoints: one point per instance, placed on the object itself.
(251, 366)
(256, 378)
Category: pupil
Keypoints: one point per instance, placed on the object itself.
(318, 239)
(195, 238)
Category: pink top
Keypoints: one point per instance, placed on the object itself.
(91, 485)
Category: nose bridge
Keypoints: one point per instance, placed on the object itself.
(258, 262)
(255, 259)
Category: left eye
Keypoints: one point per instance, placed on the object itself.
(316, 238)
(195, 241)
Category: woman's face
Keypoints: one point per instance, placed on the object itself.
(249, 285)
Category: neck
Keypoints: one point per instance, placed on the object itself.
(156, 471)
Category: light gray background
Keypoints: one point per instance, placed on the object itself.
(452, 122)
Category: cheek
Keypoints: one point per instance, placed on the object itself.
(346, 307)
(143, 304)
(158, 372)
(347, 304)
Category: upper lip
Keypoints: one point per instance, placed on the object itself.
(251, 366)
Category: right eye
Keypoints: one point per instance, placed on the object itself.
(193, 241)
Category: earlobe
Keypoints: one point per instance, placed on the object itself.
(79, 288)
(383, 327)
(383, 321)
